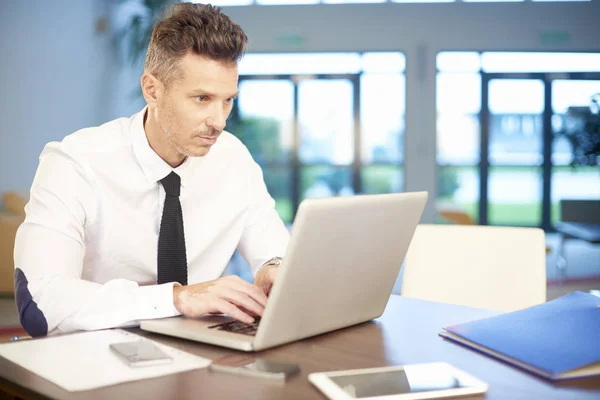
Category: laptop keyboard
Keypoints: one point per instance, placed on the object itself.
(238, 327)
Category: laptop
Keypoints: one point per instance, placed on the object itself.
(341, 264)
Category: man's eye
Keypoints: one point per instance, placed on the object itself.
(230, 100)
(201, 98)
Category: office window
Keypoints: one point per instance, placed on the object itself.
(325, 115)
(492, 119)
(458, 61)
(507, 62)
(323, 124)
(571, 99)
(458, 104)
(300, 63)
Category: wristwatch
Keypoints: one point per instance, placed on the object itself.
(273, 261)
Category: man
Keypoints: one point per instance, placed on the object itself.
(123, 215)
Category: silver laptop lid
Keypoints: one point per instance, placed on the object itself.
(341, 264)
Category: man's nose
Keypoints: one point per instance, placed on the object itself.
(217, 118)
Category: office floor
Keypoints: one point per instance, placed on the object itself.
(583, 274)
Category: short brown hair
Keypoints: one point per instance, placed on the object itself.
(198, 28)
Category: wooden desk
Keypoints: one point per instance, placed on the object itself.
(406, 333)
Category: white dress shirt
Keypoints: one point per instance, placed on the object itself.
(86, 255)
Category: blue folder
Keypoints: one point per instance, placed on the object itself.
(557, 340)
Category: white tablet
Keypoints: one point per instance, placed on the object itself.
(408, 382)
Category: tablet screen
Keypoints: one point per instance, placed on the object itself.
(412, 379)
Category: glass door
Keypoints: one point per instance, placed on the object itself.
(327, 136)
(263, 119)
(529, 123)
(511, 127)
(323, 124)
(303, 132)
(514, 109)
(574, 175)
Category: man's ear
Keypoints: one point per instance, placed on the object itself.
(152, 89)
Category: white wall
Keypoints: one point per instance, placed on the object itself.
(58, 74)
(475, 26)
(54, 71)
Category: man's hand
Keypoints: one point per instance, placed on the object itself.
(266, 277)
(229, 295)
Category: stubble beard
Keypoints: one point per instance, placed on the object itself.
(171, 137)
(169, 128)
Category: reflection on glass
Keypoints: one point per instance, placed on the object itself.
(458, 105)
(325, 181)
(458, 189)
(434, 376)
(419, 378)
(325, 115)
(279, 181)
(265, 125)
(515, 195)
(378, 179)
(516, 130)
(581, 182)
(300, 63)
(540, 62)
(382, 118)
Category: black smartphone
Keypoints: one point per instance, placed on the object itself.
(257, 367)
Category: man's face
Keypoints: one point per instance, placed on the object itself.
(193, 109)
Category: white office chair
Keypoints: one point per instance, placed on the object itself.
(497, 268)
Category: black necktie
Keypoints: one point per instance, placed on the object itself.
(172, 261)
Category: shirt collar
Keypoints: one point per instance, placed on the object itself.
(154, 167)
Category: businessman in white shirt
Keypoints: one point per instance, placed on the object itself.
(138, 218)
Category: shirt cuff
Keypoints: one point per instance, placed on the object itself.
(157, 301)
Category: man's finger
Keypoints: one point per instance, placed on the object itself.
(234, 312)
(251, 291)
(240, 299)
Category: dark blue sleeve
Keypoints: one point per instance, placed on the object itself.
(32, 318)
